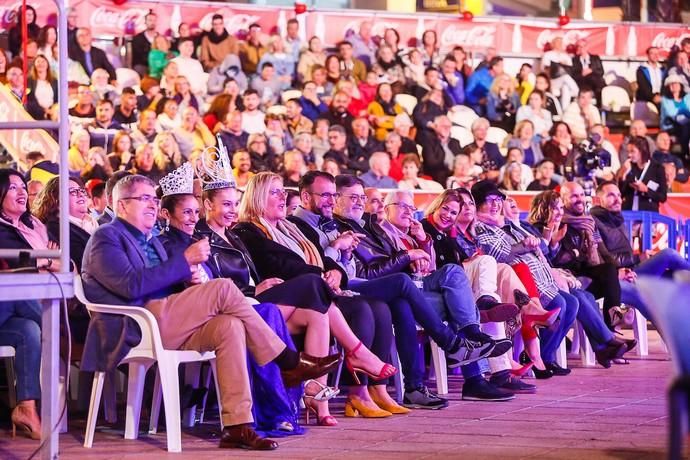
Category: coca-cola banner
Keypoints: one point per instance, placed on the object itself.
(508, 35)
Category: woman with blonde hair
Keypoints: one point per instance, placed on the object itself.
(312, 56)
(280, 250)
(166, 152)
(97, 165)
(515, 174)
(502, 102)
(78, 151)
(524, 138)
(159, 56)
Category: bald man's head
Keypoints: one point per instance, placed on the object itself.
(573, 197)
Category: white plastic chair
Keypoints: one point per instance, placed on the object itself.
(615, 97)
(407, 101)
(462, 135)
(496, 135)
(645, 111)
(127, 77)
(461, 115)
(140, 358)
(276, 110)
(290, 94)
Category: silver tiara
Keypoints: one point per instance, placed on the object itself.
(178, 182)
(214, 168)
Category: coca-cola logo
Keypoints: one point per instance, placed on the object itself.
(105, 18)
(666, 43)
(569, 37)
(8, 14)
(472, 37)
(233, 22)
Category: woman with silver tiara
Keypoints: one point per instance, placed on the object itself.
(276, 407)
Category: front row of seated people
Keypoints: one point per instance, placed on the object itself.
(471, 273)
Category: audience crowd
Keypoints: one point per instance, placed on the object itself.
(234, 190)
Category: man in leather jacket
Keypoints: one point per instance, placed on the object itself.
(377, 257)
(610, 223)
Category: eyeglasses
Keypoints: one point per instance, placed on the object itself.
(278, 192)
(77, 191)
(144, 199)
(494, 199)
(405, 207)
(362, 198)
(326, 196)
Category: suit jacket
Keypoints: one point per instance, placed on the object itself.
(141, 46)
(376, 255)
(596, 78)
(114, 272)
(648, 201)
(98, 60)
(644, 84)
(434, 157)
(270, 258)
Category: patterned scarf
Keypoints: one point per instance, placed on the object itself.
(287, 234)
(586, 227)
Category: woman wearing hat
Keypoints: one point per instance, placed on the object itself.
(675, 112)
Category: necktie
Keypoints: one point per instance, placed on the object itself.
(89, 63)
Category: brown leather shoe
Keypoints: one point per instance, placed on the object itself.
(244, 437)
(491, 311)
(310, 367)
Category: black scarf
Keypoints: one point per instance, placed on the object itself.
(387, 65)
(215, 38)
(615, 219)
(388, 107)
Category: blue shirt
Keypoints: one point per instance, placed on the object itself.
(372, 180)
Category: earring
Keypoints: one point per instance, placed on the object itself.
(167, 225)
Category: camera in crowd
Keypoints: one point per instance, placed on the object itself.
(590, 156)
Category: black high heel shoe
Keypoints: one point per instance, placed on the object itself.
(542, 374)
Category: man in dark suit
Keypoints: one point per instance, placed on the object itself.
(362, 143)
(141, 44)
(90, 57)
(588, 70)
(125, 265)
(439, 150)
(650, 78)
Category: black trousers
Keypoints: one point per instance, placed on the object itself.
(604, 284)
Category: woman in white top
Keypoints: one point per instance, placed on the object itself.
(557, 63)
(411, 181)
(43, 90)
(535, 112)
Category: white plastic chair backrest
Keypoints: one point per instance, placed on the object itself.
(6, 351)
(661, 296)
(150, 334)
(276, 110)
(127, 77)
(290, 94)
(462, 115)
(407, 101)
(496, 135)
(645, 111)
(615, 96)
(610, 77)
(462, 135)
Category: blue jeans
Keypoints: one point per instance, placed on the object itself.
(631, 297)
(437, 302)
(591, 319)
(551, 340)
(20, 327)
(408, 307)
(658, 264)
(452, 283)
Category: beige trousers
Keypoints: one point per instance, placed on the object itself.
(215, 316)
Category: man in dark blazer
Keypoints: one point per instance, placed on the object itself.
(650, 78)
(90, 57)
(588, 70)
(141, 44)
(124, 265)
(439, 150)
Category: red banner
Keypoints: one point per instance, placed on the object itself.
(516, 35)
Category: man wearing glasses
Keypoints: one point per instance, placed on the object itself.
(400, 246)
(124, 265)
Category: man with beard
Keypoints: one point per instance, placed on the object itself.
(103, 129)
(145, 132)
(241, 163)
(337, 113)
(583, 252)
(141, 44)
(232, 134)
(296, 122)
(126, 113)
(216, 44)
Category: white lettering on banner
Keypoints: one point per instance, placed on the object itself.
(666, 43)
(569, 38)
(102, 17)
(475, 37)
(8, 14)
(233, 22)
